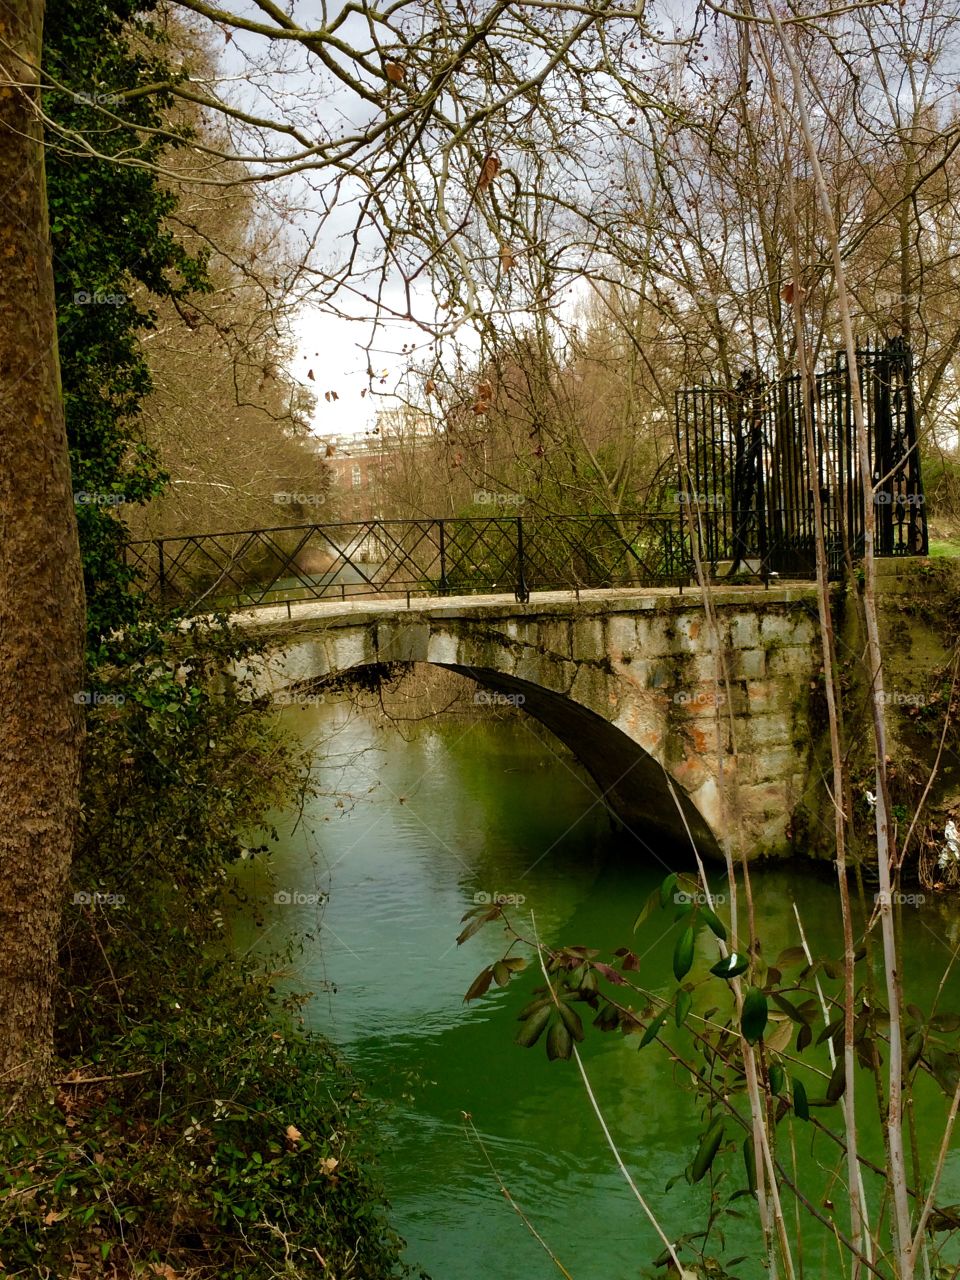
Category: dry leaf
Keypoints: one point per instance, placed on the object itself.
(330, 451)
(484, 390)
(481, 407)
(488, 171)
(329, 1164)
(310, 375)
(430, 386)
(326, 396)
(293, 1133)
(395, 72)
(508, 258)
(163, 1270)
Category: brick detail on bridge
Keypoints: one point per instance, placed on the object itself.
(630, 681)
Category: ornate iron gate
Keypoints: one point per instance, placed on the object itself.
(749, 477)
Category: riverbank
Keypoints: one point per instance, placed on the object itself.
(194, 1128)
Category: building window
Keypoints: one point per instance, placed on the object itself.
(356, 477)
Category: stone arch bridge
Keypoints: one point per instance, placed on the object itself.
(655, 697)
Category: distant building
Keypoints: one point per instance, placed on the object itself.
(360, 464)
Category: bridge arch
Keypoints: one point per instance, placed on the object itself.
(631, 690)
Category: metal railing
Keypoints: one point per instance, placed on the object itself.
(402, 558)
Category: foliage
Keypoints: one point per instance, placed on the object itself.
(195, 1129)
(785, 1016)
(209, 1138)
(112, 247)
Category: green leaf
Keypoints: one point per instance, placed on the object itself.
(559, 1041)
(571, 1020)
(714, 923)
(837, 1082)
(753, 1015)
(786, 1007)
(477, 924)
(706, 1152)
(731, 966)
(534, 1025)
(480, 985)
(801, 1108)
(667, 888)
(501, 974)
(651, 904)
(778, 1038)
(683, 954)
(776, 1077)
(749, 1162)
(683, 1002)
(804, 1037)
(653, 1029)
(833, 1029)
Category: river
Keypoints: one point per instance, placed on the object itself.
(415, 825)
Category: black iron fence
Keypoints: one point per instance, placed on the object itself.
(750, 478)
(745, 501)
(398, 558)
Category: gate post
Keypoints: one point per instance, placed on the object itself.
(444, 585)
(522, 593)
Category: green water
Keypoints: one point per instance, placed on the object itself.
(410, 830)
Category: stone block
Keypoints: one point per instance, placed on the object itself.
(554, 636)
(792, 660)
(621, 637)
(588, 641)
(595, 689)
(767, 763)
(763, 732)
(690, 633)
(748, 664)
(355, 648)
(768, 695)
(744, 630)
(443, 648)
(655, 636)
(403, 642)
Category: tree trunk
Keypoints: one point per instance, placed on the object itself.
(41, 586)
